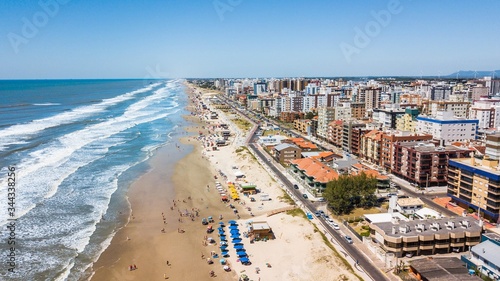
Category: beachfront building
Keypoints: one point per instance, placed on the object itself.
(485, 257)
(427, 237)
(312, 173)
(475, 183)
(424, 163)
(285, 152)
(448, 128)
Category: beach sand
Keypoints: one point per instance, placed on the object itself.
(297, 253)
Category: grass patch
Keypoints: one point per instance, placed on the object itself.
(242, 124)
(286, 198)
(359, 212)
(344, 261)
(297, 212)
(248, 151)
(239, 149)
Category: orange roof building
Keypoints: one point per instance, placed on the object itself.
(303, 144)
(313, 172)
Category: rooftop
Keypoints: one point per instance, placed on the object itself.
(442, 269)
(261, 225)
(403, 202)
(282, 146)
(314, 168)
(488, 251)
(429, 226)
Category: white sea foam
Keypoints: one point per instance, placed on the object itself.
(13, 134)
(56, 224)
(43, 171)
(46, 104)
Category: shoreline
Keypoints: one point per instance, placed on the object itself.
(155, 201)
(190, 189)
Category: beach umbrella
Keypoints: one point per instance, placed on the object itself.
(235, 235)
(242, 254)
(223, 247)
(236, 240)
(234, 230)
(233, 226)
(241, 251)
(222, 261)
(239, 247)
(223, 239)
(221, 223)
(232, 222)
(220, 228)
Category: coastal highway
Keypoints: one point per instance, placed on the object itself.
(370, 269)
(351, 250)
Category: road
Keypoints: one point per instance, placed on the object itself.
(370, 269)
(427, 199)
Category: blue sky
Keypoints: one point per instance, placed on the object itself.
(245, 38)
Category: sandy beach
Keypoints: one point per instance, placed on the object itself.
(167, 208)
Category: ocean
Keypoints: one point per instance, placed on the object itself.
(75, 147)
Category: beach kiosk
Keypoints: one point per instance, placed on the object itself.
(260, 230)
(248, 188)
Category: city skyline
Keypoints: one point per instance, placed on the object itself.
(54, 39)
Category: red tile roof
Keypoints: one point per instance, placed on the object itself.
(314, 168)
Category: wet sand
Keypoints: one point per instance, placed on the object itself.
(143, 244)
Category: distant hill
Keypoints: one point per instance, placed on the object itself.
(473, 74)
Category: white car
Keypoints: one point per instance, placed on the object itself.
(334, 225)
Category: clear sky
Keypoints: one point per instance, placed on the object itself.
(246, 38)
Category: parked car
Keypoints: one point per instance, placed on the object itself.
(295, 186)
(305, 196)
(318, 214)
(348, 239)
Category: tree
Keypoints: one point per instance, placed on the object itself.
(309, 115)
(349, 192)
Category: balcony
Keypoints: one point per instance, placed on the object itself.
(426, 247)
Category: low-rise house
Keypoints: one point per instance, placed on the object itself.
(485, 257)
(409, 206)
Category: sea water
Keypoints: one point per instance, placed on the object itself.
(76, 146)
